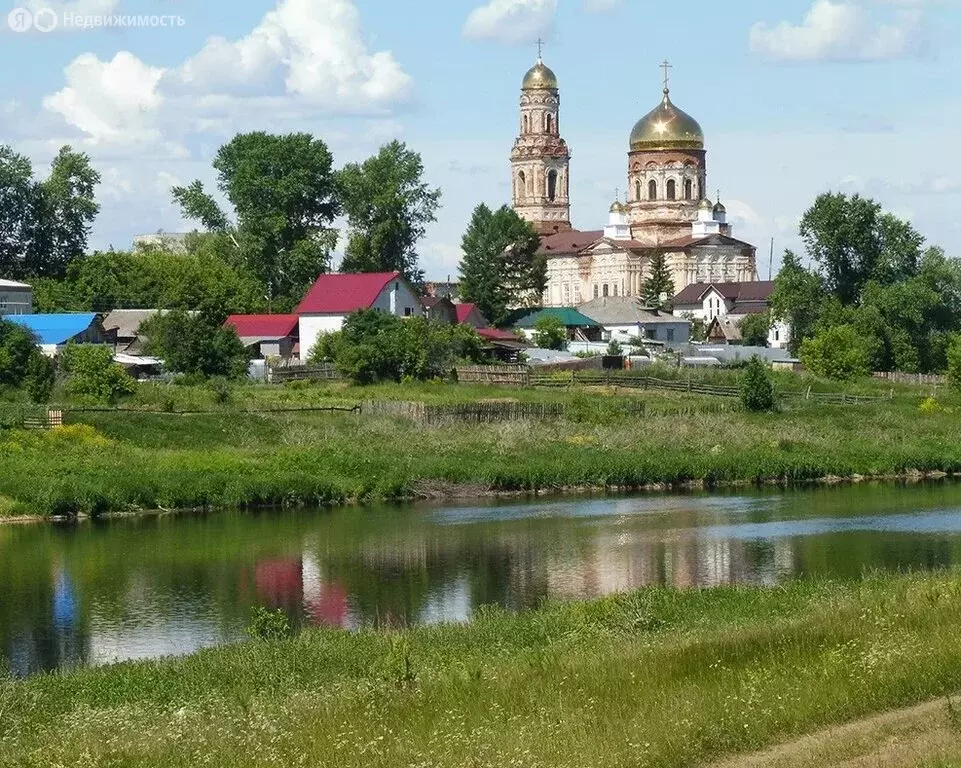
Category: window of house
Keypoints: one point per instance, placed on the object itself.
(652, 190)
(777, 335)
(408, 311)
(670, 334)
(651, 333)
(671, 190)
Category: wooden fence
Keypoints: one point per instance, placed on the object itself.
(921, 379)
(44, 420)
(321, 372)
(428, 415)
(506, 375)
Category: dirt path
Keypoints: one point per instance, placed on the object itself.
(924, 735)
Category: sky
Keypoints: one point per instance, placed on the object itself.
(796, 97)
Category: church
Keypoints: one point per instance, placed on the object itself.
(667, 210)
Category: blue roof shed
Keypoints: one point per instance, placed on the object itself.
(59, 329)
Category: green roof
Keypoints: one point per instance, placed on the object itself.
(569, 317)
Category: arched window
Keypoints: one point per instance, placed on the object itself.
(637, 191)
(550, 123)
(688, 190)
(606, 289)
(671, 189)
(527, 125)
(521, 184)
(551, 185)
(652, 190)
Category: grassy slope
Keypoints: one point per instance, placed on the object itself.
(656, 678)
(150, 460)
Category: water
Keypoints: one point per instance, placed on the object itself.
(96, 593)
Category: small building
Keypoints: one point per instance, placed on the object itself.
(332, 297)
(707, 301)
(55, 331)
(469, 314)
(267, 336)
(124, 326)
(15, 298)
(440, 310)
(579, 327)
(625, 318)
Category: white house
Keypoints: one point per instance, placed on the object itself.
(332, 297)
(15, 298)
(731, 302)
(625, 318)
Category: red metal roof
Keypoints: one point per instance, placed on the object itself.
(492, 334)
(341, 294)
(264, 326)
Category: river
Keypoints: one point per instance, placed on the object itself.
(100, 592)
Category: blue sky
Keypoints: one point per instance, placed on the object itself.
(796, 97)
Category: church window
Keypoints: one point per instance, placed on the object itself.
(606, 289)
(552, 185)
(652, 190)
(527, 125)
(596, 292)
(688, 190)
(637, 191)
(671, 189)
(550, 123)
(521, 184)
(615, 290)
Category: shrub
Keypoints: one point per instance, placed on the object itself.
(17, 348)
(838, 352)
(196, 344)
(92, 374)
(614, 349)
(549, 333)
(755, 329)
(41, 377)
(757, 390)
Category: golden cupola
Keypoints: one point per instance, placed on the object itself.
(540, 77)
(667, 127)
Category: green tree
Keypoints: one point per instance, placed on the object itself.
(17, 205)
(797, 299)
(853, 241)
(757, 389)
(614, 348)
(755, 329)
(659, 284)
(41, 378)
(196, 344)
(388, 207)
(92, 374)
(549, 332)
(954, 362)
(18, 347)
(284, 194)
(501, 266)
(837, 352)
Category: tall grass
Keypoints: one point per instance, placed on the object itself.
(655, 678)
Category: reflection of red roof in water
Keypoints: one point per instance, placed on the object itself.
(331, 608)
(279, 582)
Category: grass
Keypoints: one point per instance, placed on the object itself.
(105, 462)
(651, 678)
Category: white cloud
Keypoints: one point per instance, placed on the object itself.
(838, 31)
(512, 21)
(114, 100)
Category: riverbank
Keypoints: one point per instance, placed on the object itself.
(656, 677)
(121, 462)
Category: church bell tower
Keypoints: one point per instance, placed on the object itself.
(540, 160)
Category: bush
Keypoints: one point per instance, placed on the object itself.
(41, 377)
(757, 390)
(92, 374)
(614, 349)
(17, 348)
(755, 329)
(549, 333)
(838, 352)
(268, 625)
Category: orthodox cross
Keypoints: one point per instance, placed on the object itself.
(540, 48)
(667, 67)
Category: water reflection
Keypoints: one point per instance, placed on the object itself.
(130, 589)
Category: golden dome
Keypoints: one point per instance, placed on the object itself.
(618, 207)
(540, 77)
(667, 127)
(706, 205)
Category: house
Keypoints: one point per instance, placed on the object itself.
(440, 310)
(469, 314)
(625, 318)
(56, 331)
(707, 301)
(332, 297)
(267, 336)
(15, 298)
(123, 325)
(579, 327)
(723, 330)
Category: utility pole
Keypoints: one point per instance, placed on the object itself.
(770, 266)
